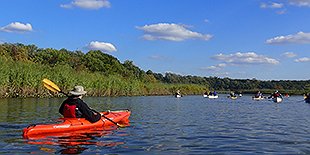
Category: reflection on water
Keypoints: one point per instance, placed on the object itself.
(18, 109)
(166, 125)
(72, 143)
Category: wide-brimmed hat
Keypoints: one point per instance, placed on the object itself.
(77, 91)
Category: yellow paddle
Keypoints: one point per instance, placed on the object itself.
(54, 88)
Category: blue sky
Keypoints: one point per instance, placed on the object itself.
(262, 39)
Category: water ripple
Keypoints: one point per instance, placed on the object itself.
(166, 125)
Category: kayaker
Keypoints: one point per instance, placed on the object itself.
(307, 96)
(75, 107)
(258, 94)
(276, 94)
(232, 94)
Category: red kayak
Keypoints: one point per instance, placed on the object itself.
(73, 125)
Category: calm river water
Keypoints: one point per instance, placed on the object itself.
(168, 125)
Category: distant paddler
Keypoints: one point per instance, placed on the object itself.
(307, 98)
(213, 95)
(258, 96)
(232, 95)
(206, 94)
(276, 97)
(178, 94)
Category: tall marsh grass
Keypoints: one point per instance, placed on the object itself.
(21, 79)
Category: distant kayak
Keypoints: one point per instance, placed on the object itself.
(232, 97)
(69, 125)
(177, 95)
(258, 98)
(277, 99)
(211, 96)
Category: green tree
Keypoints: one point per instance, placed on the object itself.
(133, 71)
(97, 61)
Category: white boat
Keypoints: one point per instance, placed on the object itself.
(258, 98)
(213, 96)
(177, 96)
(210, 96)
(277, 99)
(232, 97)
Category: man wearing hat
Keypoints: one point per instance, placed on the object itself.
(75, 107)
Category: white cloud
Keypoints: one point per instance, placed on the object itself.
(281, 12)
(300, 3)
(215, 67)
(172, 72)
(158, 57)
(289, 54)
(222, 74)
(66, 6)
(171, 32)
(304, 59)
(87, 4)
(206, 20)
(102, 46)
(271, 5)
(299, 38)
(245, 58)
(17, 27)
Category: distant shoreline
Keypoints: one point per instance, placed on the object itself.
(92, 93)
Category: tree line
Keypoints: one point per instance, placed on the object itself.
(22, 67)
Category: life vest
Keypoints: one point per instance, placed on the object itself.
(69, 111)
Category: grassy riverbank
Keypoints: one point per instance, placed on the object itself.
(22, 68)
(20, 79)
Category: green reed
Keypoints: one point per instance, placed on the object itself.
(24, 79)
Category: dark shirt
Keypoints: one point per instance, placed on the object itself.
(277, 95)
(82, 109)
(232, 94)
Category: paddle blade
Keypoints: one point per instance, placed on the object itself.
(121, 125)
(50, 85)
